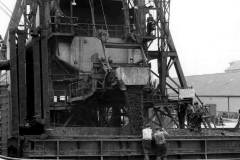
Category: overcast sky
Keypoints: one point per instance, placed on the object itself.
(206, 33)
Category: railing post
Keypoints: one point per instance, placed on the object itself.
(205, 149)
(228, 102)
(70, 90)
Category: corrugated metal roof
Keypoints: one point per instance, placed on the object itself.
(216, 84)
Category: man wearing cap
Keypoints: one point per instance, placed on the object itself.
(151, 25)
(160, 144)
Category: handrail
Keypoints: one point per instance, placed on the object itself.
(81, 89)
(68, 24)
(63, 76)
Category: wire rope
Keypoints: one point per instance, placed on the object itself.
(105, 20)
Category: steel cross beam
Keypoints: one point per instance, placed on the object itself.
(16, 17)
(20, 10)
(166, 53)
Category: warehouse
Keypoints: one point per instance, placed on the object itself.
(220, 89)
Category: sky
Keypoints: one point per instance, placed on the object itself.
(206, 33)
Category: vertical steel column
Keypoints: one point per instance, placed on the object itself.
(126, 17)
(22, 92)
(44, 22)
(37, 75)
(91, 3)
(141, 19)
(71, 16)
(14, 84)
(163, 13)
(162, 70)
(228, 101)
(166, 43)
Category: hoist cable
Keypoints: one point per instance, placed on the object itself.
(105, 20)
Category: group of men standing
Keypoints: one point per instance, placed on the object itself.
(154, 141)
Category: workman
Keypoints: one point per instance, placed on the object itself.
(147, 141)
(151, 25)
(195, 117)
(190, 112)
(196, 106)
(221, 120)
(55, 9)
(160, 144)
(56, 13)
(198, 119)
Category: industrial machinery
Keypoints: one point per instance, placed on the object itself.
(82, 85)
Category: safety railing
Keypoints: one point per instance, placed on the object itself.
(77, 89)
(61, 95)
(81, 90)
(72, 25)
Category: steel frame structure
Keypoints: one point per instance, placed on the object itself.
(165, 54)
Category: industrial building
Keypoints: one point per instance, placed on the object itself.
(220, 89)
